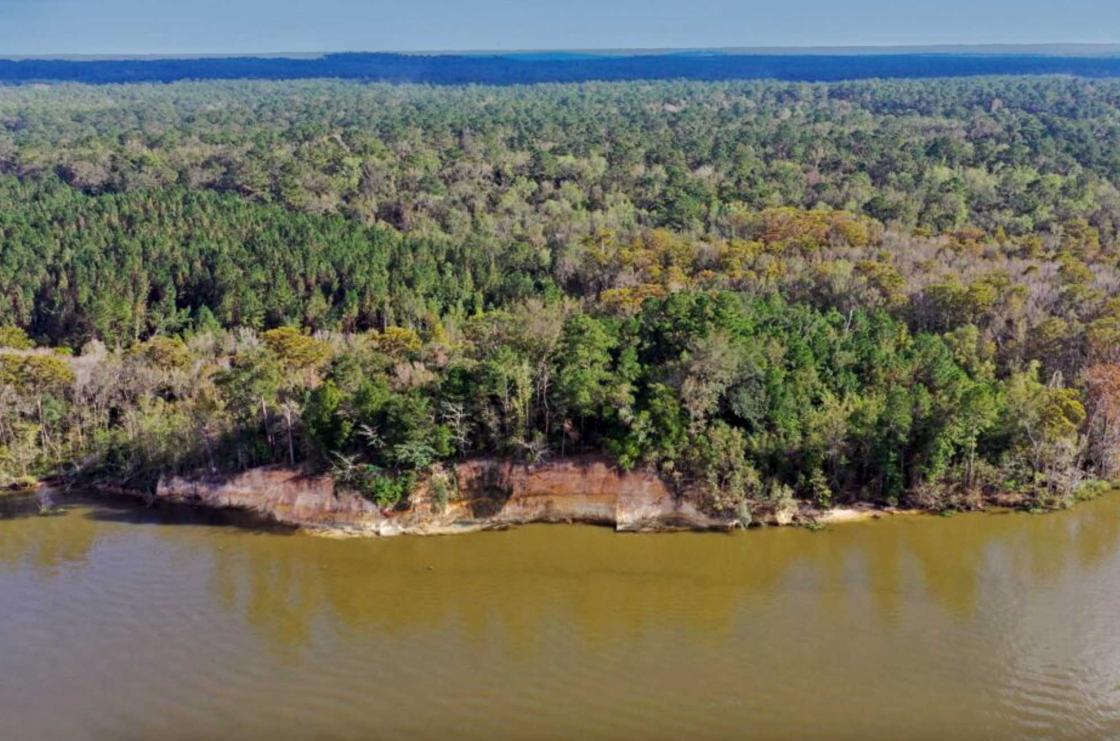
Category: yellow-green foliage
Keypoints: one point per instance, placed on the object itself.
(297, 350)
(15, 338)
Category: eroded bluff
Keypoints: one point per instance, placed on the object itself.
(484, 493)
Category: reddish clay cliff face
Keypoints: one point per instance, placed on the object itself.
(283, 494)
(485, 493)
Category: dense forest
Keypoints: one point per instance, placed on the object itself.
(548, 164)
(894, 292)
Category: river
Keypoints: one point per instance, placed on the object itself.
(119, 621)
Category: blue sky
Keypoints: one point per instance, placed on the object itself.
(207, 26)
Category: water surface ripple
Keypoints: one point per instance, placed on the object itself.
(118, 621)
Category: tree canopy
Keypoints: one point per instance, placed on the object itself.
(879, 291)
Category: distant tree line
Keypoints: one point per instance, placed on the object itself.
(534, 68)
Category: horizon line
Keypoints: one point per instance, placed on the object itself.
(1048, 48)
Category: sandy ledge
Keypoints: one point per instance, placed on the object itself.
(489, 494)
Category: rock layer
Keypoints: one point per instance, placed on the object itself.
(487, 493)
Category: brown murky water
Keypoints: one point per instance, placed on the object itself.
(123, 622)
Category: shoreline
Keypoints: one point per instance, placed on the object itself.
(19, 489)
(312, 503)
(493, 494)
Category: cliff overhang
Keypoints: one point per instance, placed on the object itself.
(488, 493)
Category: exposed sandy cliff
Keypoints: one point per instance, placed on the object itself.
(489, 493)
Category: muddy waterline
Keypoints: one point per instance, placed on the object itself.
(118, 621)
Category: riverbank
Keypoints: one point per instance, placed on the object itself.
(483, 494)
(21, 487)
(472, 495)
